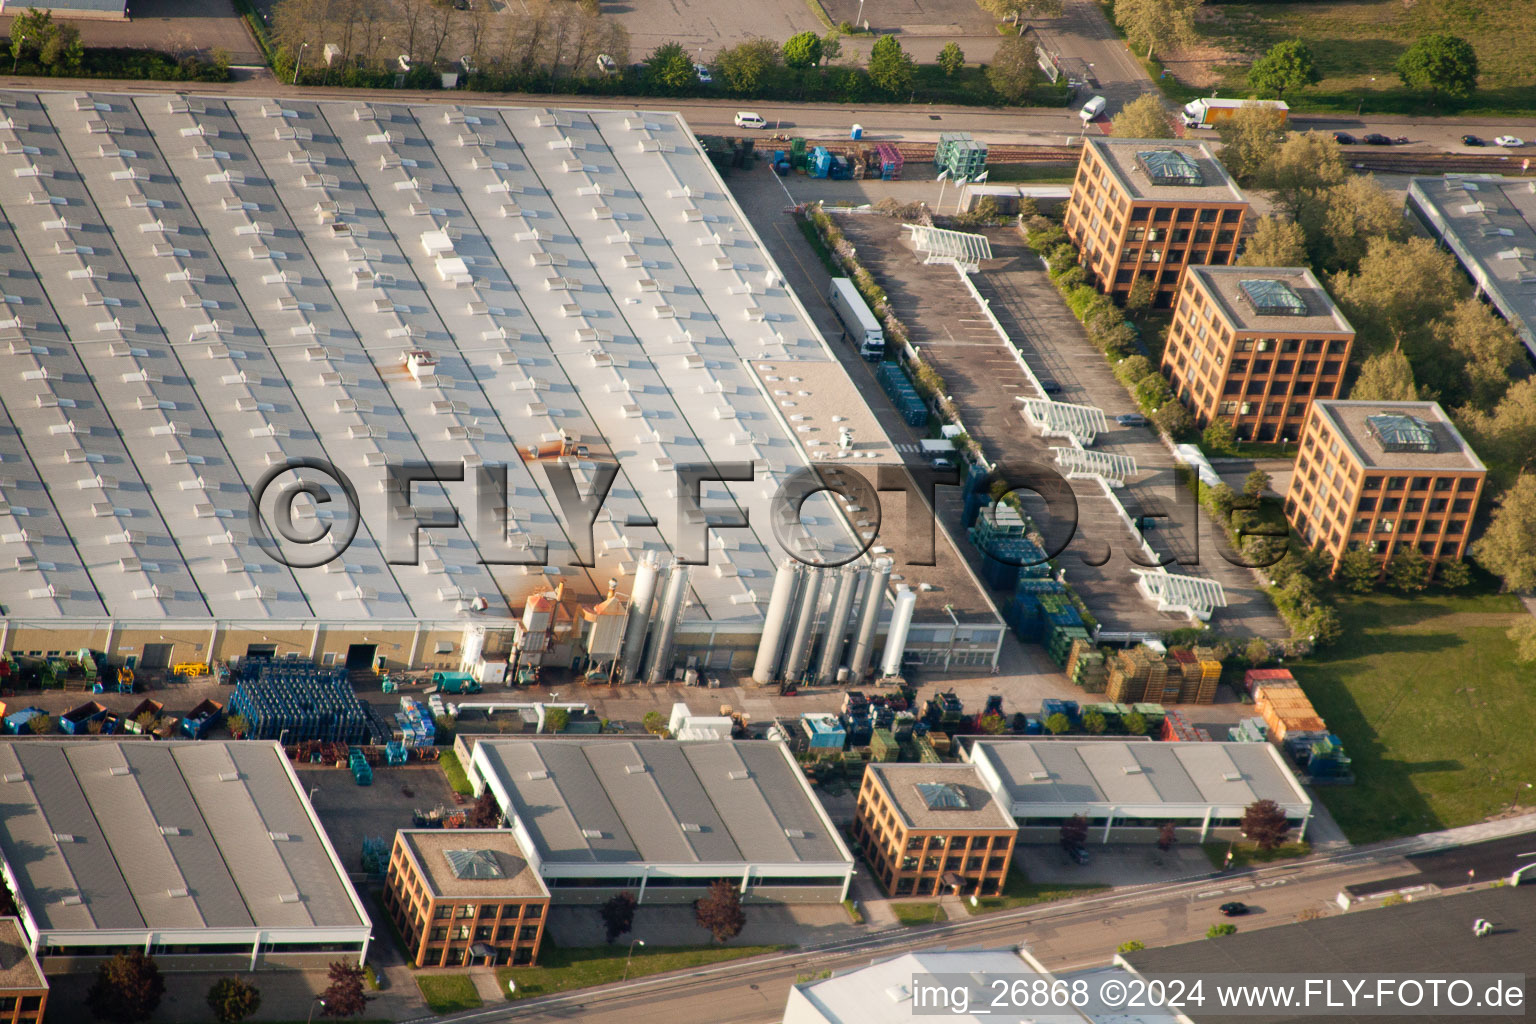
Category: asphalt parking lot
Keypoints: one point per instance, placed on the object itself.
(351, 813)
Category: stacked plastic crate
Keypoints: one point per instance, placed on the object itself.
(909, 404)
(1249, 730)
(1129, 674)
(947, 141)
(965, 159)
(1287, 711)
(1087, 666)
(415, 721)
(297, 701)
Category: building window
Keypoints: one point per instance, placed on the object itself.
(461, 933)
(467, 910)
(528, 931)
(1396, 483)
(443, 912)
(534, 911)
(1467, 484)
(1372, 482)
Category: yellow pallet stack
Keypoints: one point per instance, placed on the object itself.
(1286, 709)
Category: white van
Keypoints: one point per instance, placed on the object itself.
(747, 119)
(1092, 109)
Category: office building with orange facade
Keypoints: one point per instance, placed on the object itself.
(465, 897)
(1384, 476)
(1144, 209)
(929, 829)
(1253, 346)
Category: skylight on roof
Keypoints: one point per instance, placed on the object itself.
(474, 864)
(1169, 167)
(1269, 297)
(1400, 433)
(943, 796)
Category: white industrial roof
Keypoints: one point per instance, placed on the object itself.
(134, 836)
(1040, 778)
(201, 289)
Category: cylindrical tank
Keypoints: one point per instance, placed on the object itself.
(869, 618)
(605, 637)
(837, 625)
(777, 622)
(474, 646)
(666, 626)
(804, 636)
(901, 622)
(641, 597)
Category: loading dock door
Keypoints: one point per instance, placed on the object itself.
(258, 652)
(360, 657)
(156, 656)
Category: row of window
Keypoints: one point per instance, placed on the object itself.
(485, 933)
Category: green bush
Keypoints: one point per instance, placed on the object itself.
(1132, 369)
(1080, 299)
(1072, 277)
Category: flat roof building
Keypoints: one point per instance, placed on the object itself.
(23, 988)
(927, 829)
(205, 853)
(1384, 476)
(663, 819)
(1488, 222)
(1147, 208)
(506, 292)
(1127, 789)
(465, 896)
(1254, 347)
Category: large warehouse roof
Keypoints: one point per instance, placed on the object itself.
(1489, 222)
(615, 802)
(1069, 775)
(199, 290)
(135, 836)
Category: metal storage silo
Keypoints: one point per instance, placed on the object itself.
(641, 598)
(765, 669)
(901, 622)
(869, 618)
(849, 580)
(799, 653)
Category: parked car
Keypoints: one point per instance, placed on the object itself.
(1509, 141)
(1344, 138)
(1049, 386)
(1471, 140)
(747, 119)
(607, 64)
(1234, 909)
(1131, 419)
(705, 78)
(1078, 855)
(1376, 139)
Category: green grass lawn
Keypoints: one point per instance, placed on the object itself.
(1356, 41)
(1019, 891)
(1433, 709)
(448, 993)
(562, 970)
(448, 761)
(919, 913)
(1247, 854)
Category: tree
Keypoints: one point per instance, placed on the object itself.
(831, 46)
(1256, 651)
(1131, 946)
(1250, 139)
(1141, 296)
(1323, 625)
(1221, 931)
(1173, 419)
(556, 719)
(1506, 437)
(1074, 832)
(1488, 349)
(344, 997)
(1017, 10)
(1167, 835)
(1157, 24)
(1264, 823)
(1287, 65)
(618, 915)
(1452, 575)
(1386, 377)
(486, 813)
(654, 722)
(1256, 483)
(802, 50)
(233, 999)
(1507, 547)
(56, 47)
(1346, 218)
(1057, 724)
(238, 726)
(1013, 70)
(744, 66)
(1408, 569)
(1399, 290)
(719, 912)
(1523, 633)
(1304, 165)
(951, 58)
(1358, 570)
(1275, 242)
(1135, 724)
(127, 988)
(1142, 118)
(993, 724)
(670, 67)
(1094, 723)
(1440, 63)
(890, 67)
(1219, 437)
